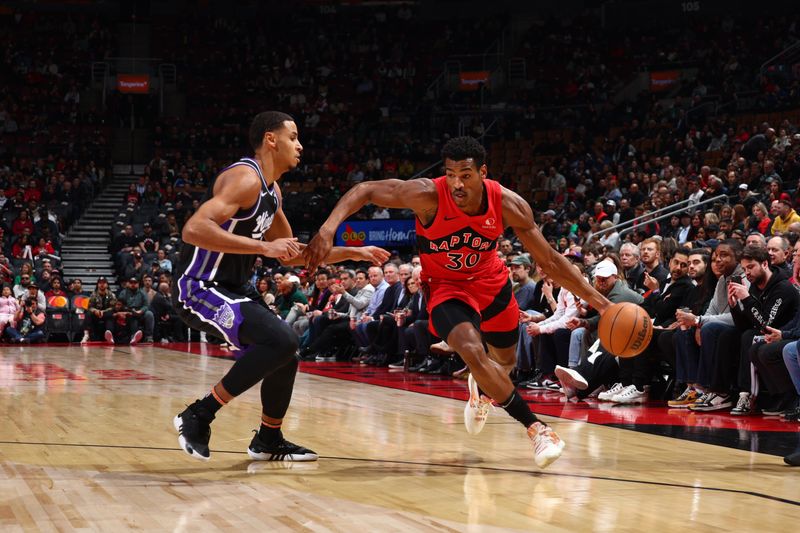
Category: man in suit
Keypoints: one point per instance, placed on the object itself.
(391, 301)
(168, 327)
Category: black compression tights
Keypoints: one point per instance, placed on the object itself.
(270, 356)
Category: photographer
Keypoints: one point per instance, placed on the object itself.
(30, 322)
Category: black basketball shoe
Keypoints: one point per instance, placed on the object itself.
(194, 430)
(280, 450)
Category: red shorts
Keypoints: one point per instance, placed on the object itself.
(491, 298)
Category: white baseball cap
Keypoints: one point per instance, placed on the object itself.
(605, 268)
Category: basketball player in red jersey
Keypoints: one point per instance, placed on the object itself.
(460, 217)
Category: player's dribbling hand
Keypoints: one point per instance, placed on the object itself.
(283, 249)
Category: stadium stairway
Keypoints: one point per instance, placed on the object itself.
(84, 250)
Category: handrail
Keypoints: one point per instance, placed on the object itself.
(673, 208)
(783, 52)
(668, 215)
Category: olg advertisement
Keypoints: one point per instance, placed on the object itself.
(384, 233)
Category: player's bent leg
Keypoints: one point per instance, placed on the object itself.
(459, 324)
(271, 344)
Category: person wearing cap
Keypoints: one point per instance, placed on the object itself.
(746, 197)
(101, 303)
(29, 323)
(786, 216)
(135, 301)
(289, 293)
(601, 368)
(523, 285)
(611, 211)
(550, 227)
(149, 242)
(36, 294)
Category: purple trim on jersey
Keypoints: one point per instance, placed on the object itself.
(211, 308)
(203, 263)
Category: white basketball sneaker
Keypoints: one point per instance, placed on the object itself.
(608, 395)
(547, 445)
(477, 409)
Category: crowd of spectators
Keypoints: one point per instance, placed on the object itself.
(53, 159)
(717, 277)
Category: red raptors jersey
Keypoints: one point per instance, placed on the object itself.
(458, 247)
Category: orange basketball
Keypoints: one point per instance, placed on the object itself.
(625, 329)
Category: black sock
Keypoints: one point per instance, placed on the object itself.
(268, 434)
(210, 404)
(519, 410)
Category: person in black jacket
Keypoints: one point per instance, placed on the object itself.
(387, 340)
(771, 302)
(634, 269)
(661, 305)
(168, 327)
(654, 274)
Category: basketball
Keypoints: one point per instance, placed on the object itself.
(625, 329)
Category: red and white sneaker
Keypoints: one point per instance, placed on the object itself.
(547, 445)
(477, 409)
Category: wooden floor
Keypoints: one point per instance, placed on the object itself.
(86, 443)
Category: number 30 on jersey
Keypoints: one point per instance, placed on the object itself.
(460, 260)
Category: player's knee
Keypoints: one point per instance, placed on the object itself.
(472, 352)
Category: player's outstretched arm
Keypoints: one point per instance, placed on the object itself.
(418, 195)
(371, 254)
(517, 214)
(235, 189)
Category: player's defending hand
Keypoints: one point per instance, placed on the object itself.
(317, 250)
(283, 249)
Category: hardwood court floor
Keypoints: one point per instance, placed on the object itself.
(86, 443)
